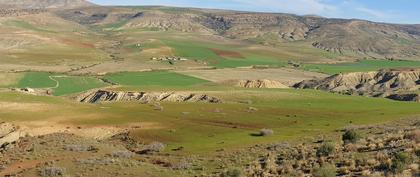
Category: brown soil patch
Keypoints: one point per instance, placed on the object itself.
(14, 106)
(156, 52)
(21, 166)
(7, 79)
(77, 43)
(227, 54)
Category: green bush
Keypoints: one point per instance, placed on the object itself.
(399, 162)
(350, 136)
(325, 171)
(325, 150)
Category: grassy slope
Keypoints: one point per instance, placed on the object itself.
(155, 78)
(203, 128)
(360, 66)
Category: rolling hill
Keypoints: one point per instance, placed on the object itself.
(82, 34)
(42, 4)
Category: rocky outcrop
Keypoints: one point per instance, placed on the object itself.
(264, 83)
(145, 97)
(9, 134)
(384, 83)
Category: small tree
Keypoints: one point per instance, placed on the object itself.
(350, 136)
(325, 150)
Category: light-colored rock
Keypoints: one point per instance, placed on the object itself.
(145, 97)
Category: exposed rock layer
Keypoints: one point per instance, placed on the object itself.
(394, 84)
(145, 97)
(260, 84)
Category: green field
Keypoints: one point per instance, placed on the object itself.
(76, 84)
(60, 84)
(37, 80)
(202, 51)
(360, 66)
(154, 78)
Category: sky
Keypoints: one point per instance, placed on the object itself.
(390, 11)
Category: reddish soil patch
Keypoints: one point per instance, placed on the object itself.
(227, 54)
(77, 43)
(21, 166)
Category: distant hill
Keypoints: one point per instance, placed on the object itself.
(339, 36)
(43, 4)
(300, 38)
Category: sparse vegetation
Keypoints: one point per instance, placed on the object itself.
(53, 172)
(400, 162)
(350, 136)
(326, 149)
(325, 171)
(232, 173)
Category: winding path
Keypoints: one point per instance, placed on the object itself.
(57, 83)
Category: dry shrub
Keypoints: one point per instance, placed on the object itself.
(266, 132)
(53, 171)
(414, 136)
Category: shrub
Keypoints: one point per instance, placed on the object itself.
(266, 132)
(417, 152)
(399, 162)
(79, 148)
(52, 171)
(152, 147)
(122, 154)
(415, 136)
(350, 136)
(325, 171)
(232, 173)
(325, 150)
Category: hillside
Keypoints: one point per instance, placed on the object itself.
(339, 36)
(86, 38)
(42, 4)
(393, 84)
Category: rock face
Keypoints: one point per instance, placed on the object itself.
(260, 84)
(44, 4)
(405, 97)
(145, 97)
(384, 83)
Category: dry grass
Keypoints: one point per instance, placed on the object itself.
(284, 75)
